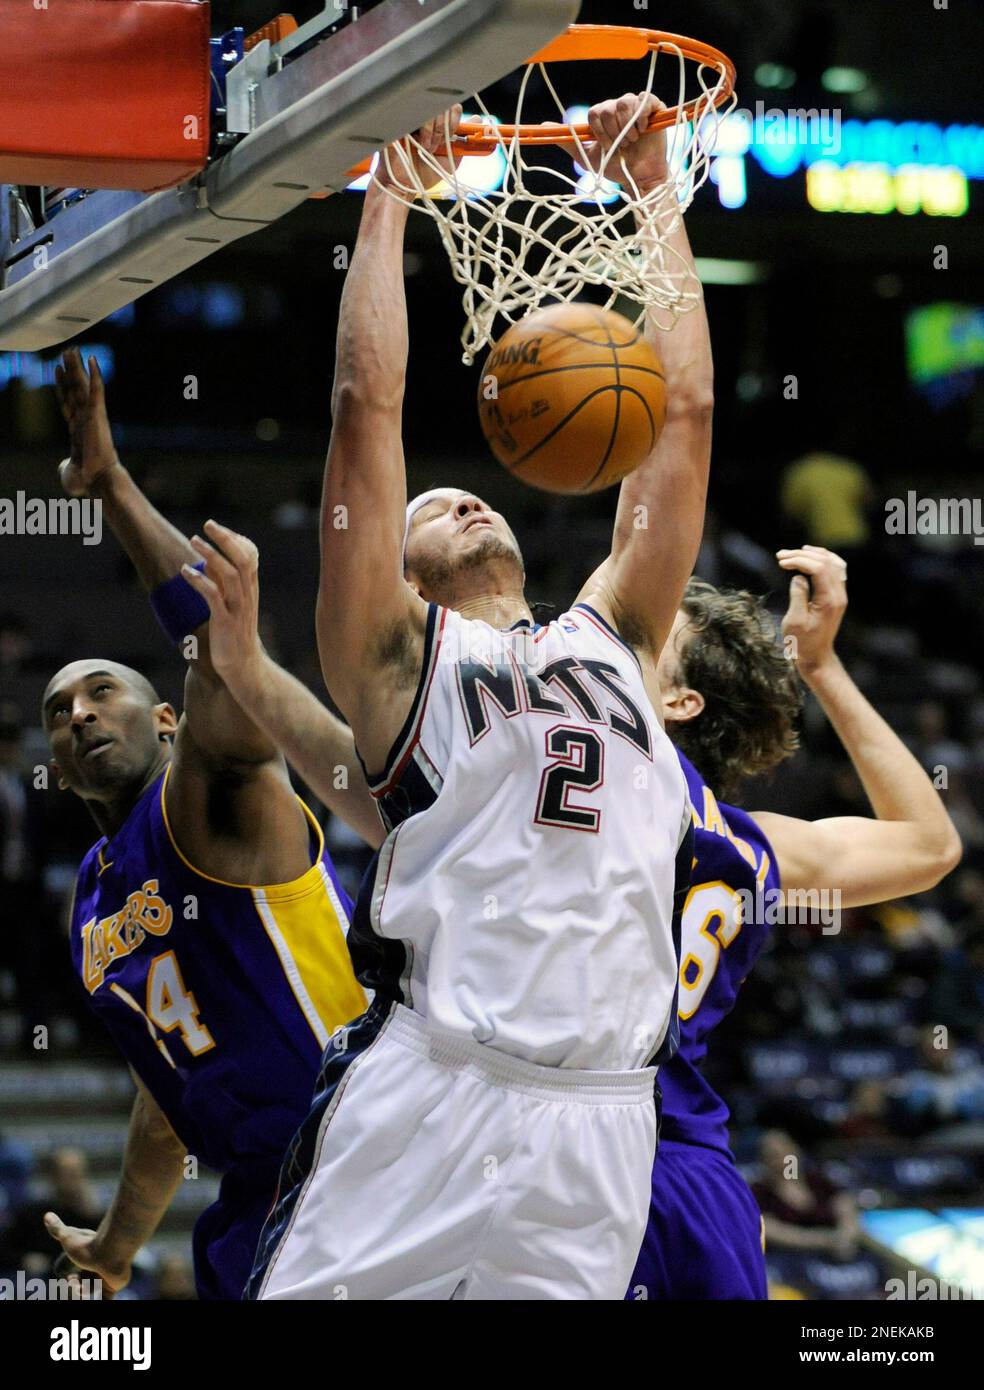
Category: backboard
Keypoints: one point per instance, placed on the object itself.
(299, 113)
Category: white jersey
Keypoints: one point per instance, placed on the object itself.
(539, 848)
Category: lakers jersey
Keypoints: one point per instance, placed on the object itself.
(524, 897)
(733, 894)
(220, 996)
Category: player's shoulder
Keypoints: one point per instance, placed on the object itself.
(725, 832)
(585, 622)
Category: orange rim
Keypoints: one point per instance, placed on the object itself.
(602, 42)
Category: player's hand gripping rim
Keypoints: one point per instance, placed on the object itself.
(402, 169)
(622, 125)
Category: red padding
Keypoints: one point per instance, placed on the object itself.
(103, 93)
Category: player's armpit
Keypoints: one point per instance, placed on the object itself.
(151, 1118)
(374, 685)
(235, 820)
(866, 860)
(316, 744)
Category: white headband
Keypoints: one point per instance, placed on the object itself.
(436, 494)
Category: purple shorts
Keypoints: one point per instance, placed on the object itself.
(704, 1238)
(226, 1236)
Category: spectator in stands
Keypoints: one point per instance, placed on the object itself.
(956, 994)
(25, 1243)
(16, 648)
(934, 745)
(21, 860)
(868, 1116)
(948, 762)
(801, 1208)
(966, 909)
(16, 1164)
(910, 925)
(827, 495)
(813, 982)
(946, 1089)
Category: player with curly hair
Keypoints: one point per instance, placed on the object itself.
(731, 695)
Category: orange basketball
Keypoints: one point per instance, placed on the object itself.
(572, 398)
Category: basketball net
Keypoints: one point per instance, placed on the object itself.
(519, 247)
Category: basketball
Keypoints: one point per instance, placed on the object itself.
(572, 399)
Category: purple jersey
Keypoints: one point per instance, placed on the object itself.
(735, 879)
(221, 997)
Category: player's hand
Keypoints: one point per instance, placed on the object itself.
(641, 152)
(230, 586)
(82, 397)
(81, 1252)
(404, 157)
(817, 604)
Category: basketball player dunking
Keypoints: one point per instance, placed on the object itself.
(208, 928)
(487, 1129)
(730, 699)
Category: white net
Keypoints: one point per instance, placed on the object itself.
(556, 225)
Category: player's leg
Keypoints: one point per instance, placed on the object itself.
(384, 1192)
(704, 1236)
(227, 1232)
(574, 1200)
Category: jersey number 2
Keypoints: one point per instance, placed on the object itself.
(580, 763)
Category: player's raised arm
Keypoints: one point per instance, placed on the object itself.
(216, 741)
(158, 551)
(317, 744)
(660, 516)
(912, 843)
(370, 622)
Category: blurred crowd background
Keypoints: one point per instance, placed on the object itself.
(219, 388)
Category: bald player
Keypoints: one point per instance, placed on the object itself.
(208, 927)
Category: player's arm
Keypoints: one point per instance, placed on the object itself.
(153, 1166)
(785, 1236)
(317, 744)
(911, 843)
(370, 623)
(660, 517)
(256, 828)
(219, 729)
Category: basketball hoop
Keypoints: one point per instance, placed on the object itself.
(545, 233)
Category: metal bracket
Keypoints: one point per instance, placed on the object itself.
(332, 13)
(242, 82)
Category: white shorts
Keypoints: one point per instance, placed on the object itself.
(438, 1168)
